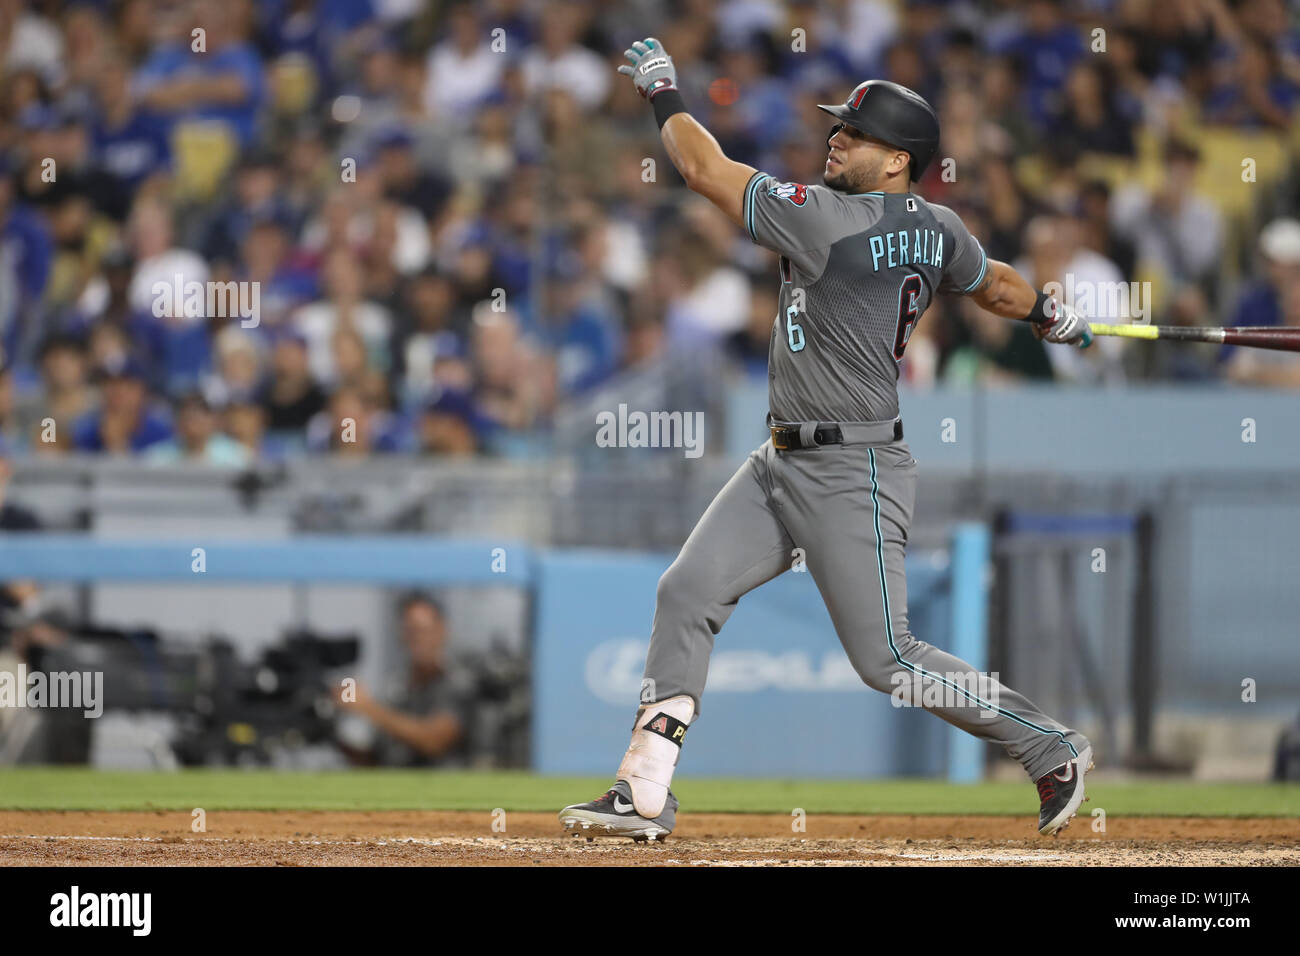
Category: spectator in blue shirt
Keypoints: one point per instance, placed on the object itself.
(124, 423)
(224, 82)
(1047, 48)
(126, 142)
(351, 426)
(763, 109)
(404, 180)
(578, 331)
(286, 278)
(450, 424)
(1254, 91)
(301, 29)
(256, 196)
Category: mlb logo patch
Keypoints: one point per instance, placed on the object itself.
(796, 193)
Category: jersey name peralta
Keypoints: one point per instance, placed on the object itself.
(857, 272)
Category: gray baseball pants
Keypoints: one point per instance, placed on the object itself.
(848, 507)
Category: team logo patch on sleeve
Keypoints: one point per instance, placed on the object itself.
(796, 193)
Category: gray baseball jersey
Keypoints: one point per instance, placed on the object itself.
(857, 272)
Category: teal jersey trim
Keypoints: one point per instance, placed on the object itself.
(889, 626)
(984, 267)
(747, 205)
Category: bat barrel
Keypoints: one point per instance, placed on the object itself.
(1284, 339)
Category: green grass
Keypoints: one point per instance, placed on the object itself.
(81, 789)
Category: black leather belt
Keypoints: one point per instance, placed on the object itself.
(786, 436)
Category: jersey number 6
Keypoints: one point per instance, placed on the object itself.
(793, 331)
(907, 313)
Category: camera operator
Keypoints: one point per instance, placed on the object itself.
(427, 721)
(28, 626)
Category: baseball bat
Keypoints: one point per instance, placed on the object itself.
(1258, 337)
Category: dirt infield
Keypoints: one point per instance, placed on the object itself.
(414, 838)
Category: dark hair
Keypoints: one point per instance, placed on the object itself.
(1095, 187)
(194, 398)
(60, 342)
(411, 598)
(1177, 148)
(962, 37)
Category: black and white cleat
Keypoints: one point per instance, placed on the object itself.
(1060, 793)
(612, 814)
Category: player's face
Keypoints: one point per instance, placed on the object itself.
(855, 162)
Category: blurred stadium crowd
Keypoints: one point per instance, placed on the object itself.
(458, 218)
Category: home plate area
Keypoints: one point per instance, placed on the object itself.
(441, 838)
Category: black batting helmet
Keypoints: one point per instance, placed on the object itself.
(894, 114)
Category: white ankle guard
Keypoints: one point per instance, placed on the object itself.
(656, 744)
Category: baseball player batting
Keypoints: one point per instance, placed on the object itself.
(861, 257)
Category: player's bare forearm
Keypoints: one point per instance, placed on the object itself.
(704, 165)
(690, 146)
(1005, 292)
